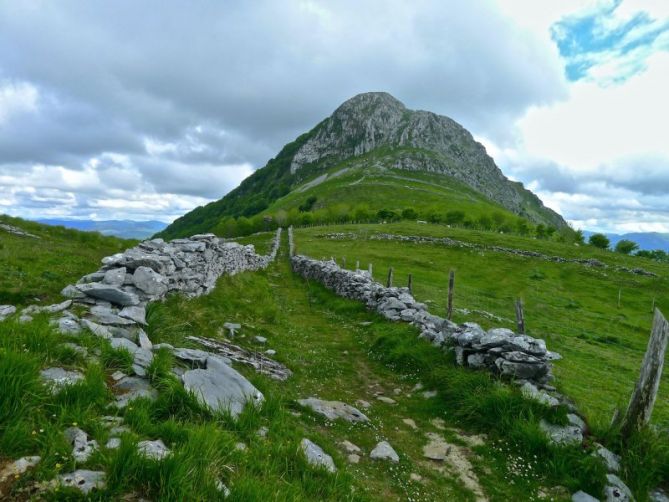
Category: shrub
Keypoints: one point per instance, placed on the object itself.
(600, 241)
(409, 214)
(455, 217)
(626, 246)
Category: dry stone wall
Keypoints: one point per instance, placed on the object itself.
(499, 350)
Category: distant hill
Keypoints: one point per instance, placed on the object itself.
(125, 229)
(649, 241)
(373, 135)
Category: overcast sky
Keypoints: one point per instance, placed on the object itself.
(144, 110)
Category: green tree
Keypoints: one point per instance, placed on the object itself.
(455, 217)
(579, 238)
(498, 220)
(600, 241)
(522, 227)
(308, 204)
(626, 246)
(485, 222)
(540, 231)
(409, 214)
(387, 215)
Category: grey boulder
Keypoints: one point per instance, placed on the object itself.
(334, 409)
(83, 480)
(383, 451)
(316, 456)
(221, 388)
(109, 293)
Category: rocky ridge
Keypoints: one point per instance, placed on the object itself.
(424, 141)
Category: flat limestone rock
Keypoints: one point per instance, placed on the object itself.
(383, 451)
(221, 388)
(562, 434)
(97, 329)
(131, 388)
(134, 313)
(83, 480)
(581, 496)
(18, 467)
(149, 281)
(6, 311)
(616, 490)
(83, 448)
(316, 456)
(109, 293)
(437, 448)
(155, 450)
(334, 409)
(57, 378)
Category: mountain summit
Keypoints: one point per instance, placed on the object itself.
(372, 132)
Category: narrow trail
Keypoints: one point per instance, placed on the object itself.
(329, 355)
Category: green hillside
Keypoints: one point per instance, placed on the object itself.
(37, 268)
(412, 159)
(572, 306)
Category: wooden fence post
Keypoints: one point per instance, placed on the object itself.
(410, 284)
(640, 407)
(451, 287)
(520, 317)
(343, 261)
(389, 282)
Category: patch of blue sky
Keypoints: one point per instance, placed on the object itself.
(582, 39)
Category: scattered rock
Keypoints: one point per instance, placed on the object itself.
(353, 458)
(262, 432)
(334, 409)
(616, 490)
(260, 339)
(270, 352)
(562, 434)
(387, 400)
(415, 477)
(410, 422)
(438, 423)
(131, 388)
(221, 388)
(581, 496)
(113, 443)
(349, 447)
(316, 456)
(232, 328)
(437, 448)
(658, 496)
(611, 460)
(429, 394)
(383, 451)
(58, 378)
(363, 404)
(83, 448)
(6, 311)
(83, 480)
(18, 467)
(154, 450)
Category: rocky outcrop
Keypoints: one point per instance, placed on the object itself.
(414, 141)
(500, 350)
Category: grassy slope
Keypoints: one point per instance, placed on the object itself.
(321, 338)
(571, 306)
(394, 189)
(40, 268)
